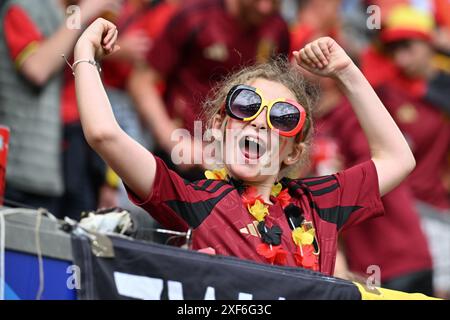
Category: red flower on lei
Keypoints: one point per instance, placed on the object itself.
(284, 198)
(250, 196)
(305, 257)
(273, 254)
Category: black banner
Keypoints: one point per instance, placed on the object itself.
(142, 270)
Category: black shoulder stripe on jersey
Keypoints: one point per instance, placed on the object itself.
(292, 189)
(219, 185)
(196, 187)
(337, 215)
(319, 181)
(194, 213)
(312, 178)
(206, 184)
(295, 185)
(326, 190)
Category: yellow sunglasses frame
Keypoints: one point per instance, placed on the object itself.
(267, 104)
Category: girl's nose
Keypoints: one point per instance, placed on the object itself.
(260, 122)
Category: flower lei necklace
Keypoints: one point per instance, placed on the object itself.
(303, 233)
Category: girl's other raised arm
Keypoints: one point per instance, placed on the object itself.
(389, 150)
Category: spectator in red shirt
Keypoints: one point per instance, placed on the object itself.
(309, 27)
(395, 242)
(403, 54)
(36, 54)
(423, 118)
(139, 23)
(244, 211)
(202, 43)
(404, 264)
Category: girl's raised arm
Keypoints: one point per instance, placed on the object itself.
(389, 150)
(132, 162)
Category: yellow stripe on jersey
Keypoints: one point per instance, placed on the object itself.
(26, 53)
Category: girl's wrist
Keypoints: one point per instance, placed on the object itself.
(84, 50)
(348, 75)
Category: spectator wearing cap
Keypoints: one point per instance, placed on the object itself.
(405, 66)
(395, 242)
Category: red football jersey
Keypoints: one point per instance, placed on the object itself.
(214, 209)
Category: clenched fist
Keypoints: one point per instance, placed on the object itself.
(323, 57)
(98, 40)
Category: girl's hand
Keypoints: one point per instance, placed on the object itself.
(323, 57)
(98, 40)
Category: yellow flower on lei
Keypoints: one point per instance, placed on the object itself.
(302, 237)
(276, 189)
(259, 210)
(218, 174)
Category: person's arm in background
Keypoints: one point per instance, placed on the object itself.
(45, 60)
(153, 111)
(131, 161)
(150, 106)
(134, 47)
(389, 150)
(143, 26)
(166, 54)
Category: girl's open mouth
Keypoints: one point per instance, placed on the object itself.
(252, 147)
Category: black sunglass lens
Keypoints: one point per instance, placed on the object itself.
(284, 116)
(245, 103)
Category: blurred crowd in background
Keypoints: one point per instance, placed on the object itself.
(174, 52)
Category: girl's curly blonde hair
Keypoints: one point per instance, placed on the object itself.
(278, 70)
